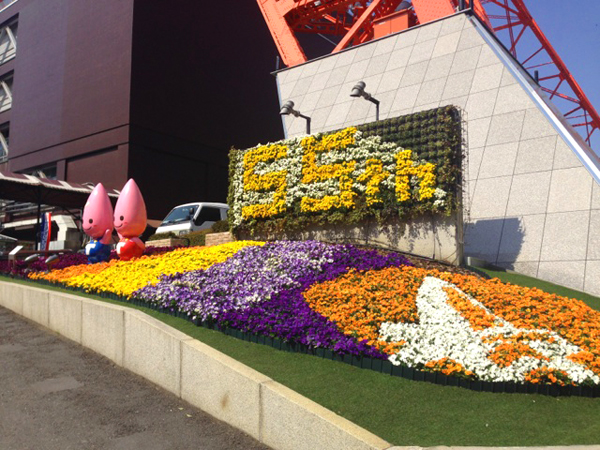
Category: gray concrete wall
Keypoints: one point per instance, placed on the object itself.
(531, 193)
(432, 236)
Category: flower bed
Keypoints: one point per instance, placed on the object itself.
(21, 269)
(124, 277)
(365, 306)
(259, 290)
(466, 326)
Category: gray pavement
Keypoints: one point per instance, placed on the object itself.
(57, 395)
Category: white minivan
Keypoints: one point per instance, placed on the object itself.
(190, 217)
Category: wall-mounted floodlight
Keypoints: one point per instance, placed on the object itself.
(359, 91)
(288, 108)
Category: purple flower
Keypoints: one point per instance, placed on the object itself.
(259, 290)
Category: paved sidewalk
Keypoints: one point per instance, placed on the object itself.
(57, 395)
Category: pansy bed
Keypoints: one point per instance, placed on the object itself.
(368, 309)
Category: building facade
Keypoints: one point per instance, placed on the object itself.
(107, 91)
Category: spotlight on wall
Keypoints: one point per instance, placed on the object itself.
(359, 91)
(288, 108)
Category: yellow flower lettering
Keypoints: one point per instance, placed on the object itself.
(373, 176)
(405, 169)
(313, 172)
(266, 182)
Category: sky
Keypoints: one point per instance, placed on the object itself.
(573, 29)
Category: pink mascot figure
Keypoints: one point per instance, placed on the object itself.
(130, 221)
(97, 224)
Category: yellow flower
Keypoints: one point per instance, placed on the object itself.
(265, 182)
(125, 277)
(405, 168)
(374, 175)
(313, 173)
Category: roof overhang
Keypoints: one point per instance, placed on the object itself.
(27, 188)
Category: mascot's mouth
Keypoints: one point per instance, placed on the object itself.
(87, 229)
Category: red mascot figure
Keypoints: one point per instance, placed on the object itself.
(130, 221)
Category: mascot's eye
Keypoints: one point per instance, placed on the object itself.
(121, 218)
(91, 220)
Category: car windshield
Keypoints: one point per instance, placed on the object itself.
(180, 214)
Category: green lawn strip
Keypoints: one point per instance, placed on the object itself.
(408, 412)
(524, 280)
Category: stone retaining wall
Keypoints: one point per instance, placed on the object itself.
(170, 242)
(432, 236)
(218, 238)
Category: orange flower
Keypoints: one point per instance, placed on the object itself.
(360, 302)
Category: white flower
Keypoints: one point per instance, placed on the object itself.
(444, 333)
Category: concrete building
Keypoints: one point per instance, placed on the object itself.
(531, 184)
(106, 91)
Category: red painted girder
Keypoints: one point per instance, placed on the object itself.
(290, 50)
(517, 15)
(362, 29)
(429, 10)
(311, 11)
(336, 25)
(479, 10)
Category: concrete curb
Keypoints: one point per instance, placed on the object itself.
(204, 377)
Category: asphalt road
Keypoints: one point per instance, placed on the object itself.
(57, 395)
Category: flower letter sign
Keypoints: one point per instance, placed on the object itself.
(346, 176)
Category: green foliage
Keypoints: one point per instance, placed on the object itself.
(433, 136)
(159, 236)
(196, 238)
(220, 227)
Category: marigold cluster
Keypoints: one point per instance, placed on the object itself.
(545, 375)
(448, 367)
(63, 275)
(360, 302)
(478, 318)
(533, 308)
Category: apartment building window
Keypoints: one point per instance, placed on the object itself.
(49, 171)
(4, 137)
(8, 40)
(6, 84)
